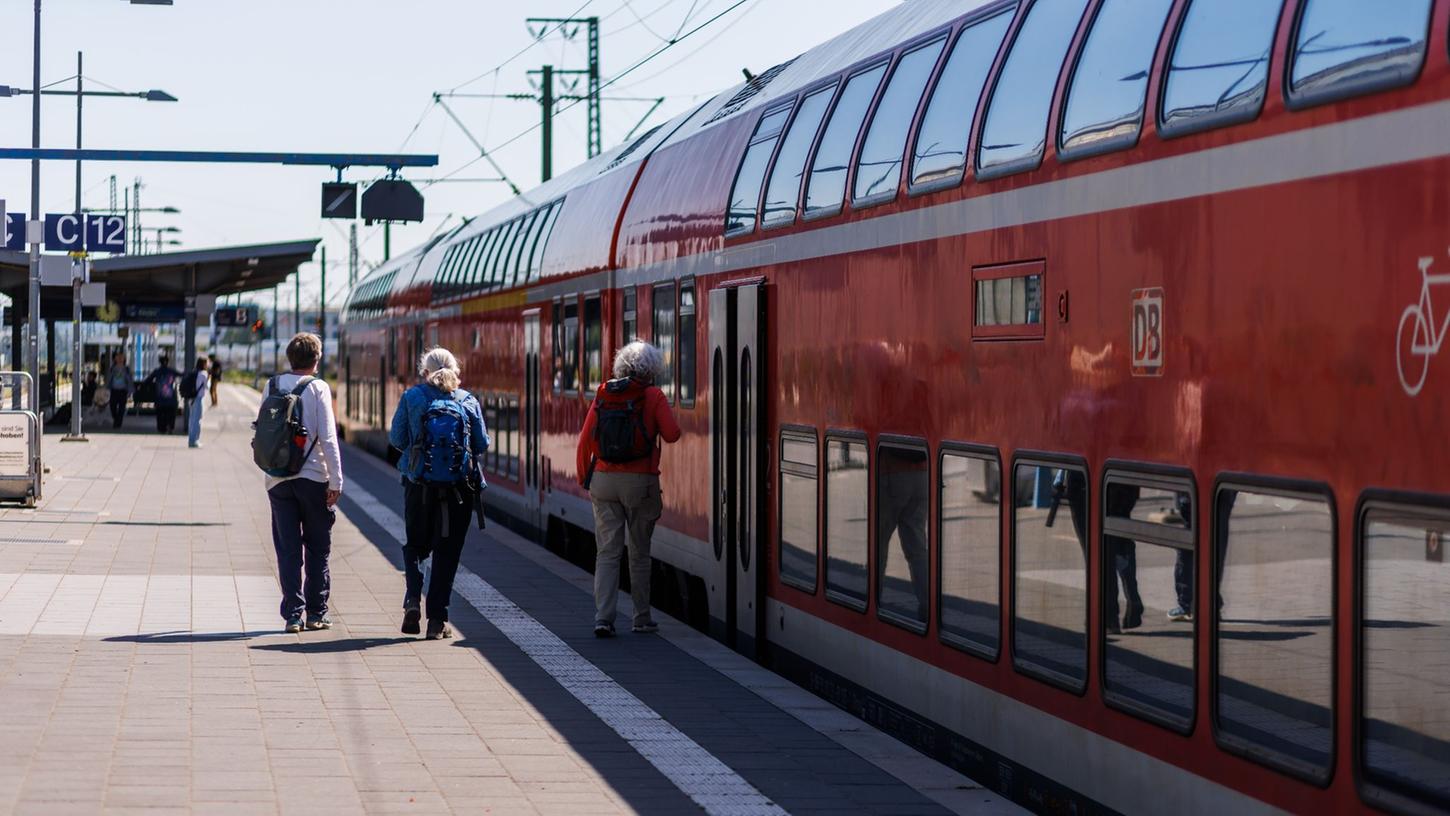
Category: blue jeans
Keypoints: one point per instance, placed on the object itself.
(193, 422)
(302, 536)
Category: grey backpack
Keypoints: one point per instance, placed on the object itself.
(279, 439)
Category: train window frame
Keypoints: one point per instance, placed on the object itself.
(1162, 477)
(831, 88)
(692, 312)
(1296, 100)
(979, 17)
(1009, 331)
(937, 39)
(1034, 159)
(1403, 505)
(531, 250)
(629, 316)
(556, 345)
(1123, 141)
(496, 260)
(471, 281)
(587, 384)
(803, 434)
(984, 453)
(462, 276)
(902, 443)
(528, 222)
(1214, 119)
(567, 322)
(673, 323)
(835, 596)
(1288, 488)
(787, 107)
(515, 468)
(536, 264)
(826, 211)
(1020, 665)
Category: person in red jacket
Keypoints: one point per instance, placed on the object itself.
(618, 462)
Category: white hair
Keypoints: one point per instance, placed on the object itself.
(439, 367)
(639, 360)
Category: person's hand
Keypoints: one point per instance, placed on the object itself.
(332, 496)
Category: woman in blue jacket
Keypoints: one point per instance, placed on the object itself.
(439, 429)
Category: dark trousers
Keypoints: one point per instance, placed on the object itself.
(165, 417)
(118, 406)
(302, 536)
(1122, 568)
(437, 523)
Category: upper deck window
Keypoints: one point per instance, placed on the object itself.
(1105, 103)
(1219, 67)
(783, 192)
(536, 259)
(745, 195)
(940, 157)
(1015, 132)
(826, 189)
(1349, 47)
(495, 263)
(518, 269)
(472, 280)
(878, 170)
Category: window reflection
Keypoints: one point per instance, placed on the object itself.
(971, 497)
(1105, 104)
(1406, 641)
(1050, 572)
(1219, 68)
(664, 336)
(878, 170)
(847, 533)
(941, 144)
(745, 196)
(903, 500)
(783, 192)
(1353, 46)
(826, 189)
(1275, 626)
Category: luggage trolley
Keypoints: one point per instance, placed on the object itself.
(19, 443)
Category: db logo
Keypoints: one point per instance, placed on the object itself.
(1147, 332)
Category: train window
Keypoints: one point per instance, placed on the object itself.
(664, 335)
(848, 531)
(593, 344)
(970, 531)
(798, 539)
(463, 276)
(485, 258)
(939, 158)
(496, 277)
(571, 346)
(513, 437)
(878, 168)
(490, 420)
(1148, 530)
(783, 192)
(1346, 47)
(745, 195)
(687, 344)
(1219, 68)
(1274, 643)
(531, 246)
(903, 507)
(1008, 301)
(1110, 83)
(631, 314)
(1049, 572)
(1405, 647)
(826, 188)
(537, 262)
(1014, 133)
(556, 344)
(514, 263)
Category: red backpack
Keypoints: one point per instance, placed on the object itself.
(619, 428)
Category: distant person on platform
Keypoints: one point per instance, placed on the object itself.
(164, 380)
(121, 384)
(88, 389)
(216, 377)
(303, 503)
(196, 394)
(618, 462)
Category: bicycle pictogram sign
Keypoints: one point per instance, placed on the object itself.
(1420, 335)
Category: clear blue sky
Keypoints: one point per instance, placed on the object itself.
(355, 75)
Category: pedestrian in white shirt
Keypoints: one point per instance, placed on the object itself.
(303, 505)
(194, 409)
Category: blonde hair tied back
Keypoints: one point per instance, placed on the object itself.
(439, 369)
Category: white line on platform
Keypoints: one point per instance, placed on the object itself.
(710, 783)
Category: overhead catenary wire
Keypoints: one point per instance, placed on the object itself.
(542, 35)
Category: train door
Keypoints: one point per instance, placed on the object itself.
(737, 323)
(533, 394)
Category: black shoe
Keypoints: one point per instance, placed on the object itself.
(603, 630)
(1113, 628)
(411, 617)
(1134, 618)
(438, 630)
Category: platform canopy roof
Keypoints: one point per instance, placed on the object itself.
(170, 276)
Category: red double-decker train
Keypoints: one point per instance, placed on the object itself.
(1059, 383)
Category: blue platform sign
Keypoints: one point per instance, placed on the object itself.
(15, 231)
(106, 233)
(64, 233)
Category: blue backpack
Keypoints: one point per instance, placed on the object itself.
(444, 447)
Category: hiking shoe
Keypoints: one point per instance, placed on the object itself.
(1180, 614)
(438, 630)
(603, 630)
(411, 617)
(294, 624)
(320, 622)
(646, 628)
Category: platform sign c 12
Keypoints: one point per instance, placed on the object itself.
(106, 233)
(1147, 332)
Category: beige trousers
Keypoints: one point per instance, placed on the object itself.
(623, 503)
